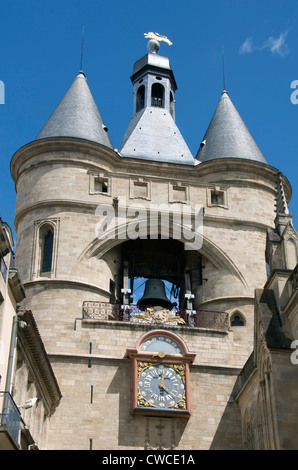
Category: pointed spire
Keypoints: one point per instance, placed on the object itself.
(227, 136)
(77, 116)
(283, 215)
(281, 201)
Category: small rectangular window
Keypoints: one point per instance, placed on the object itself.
(140, 189)
(217, 198)
(179, 193)
(101, 185)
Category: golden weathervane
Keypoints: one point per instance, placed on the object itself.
(158, 37)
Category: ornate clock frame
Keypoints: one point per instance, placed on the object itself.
(178, 362)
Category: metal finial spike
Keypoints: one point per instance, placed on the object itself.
(82, 49)
(223, 69)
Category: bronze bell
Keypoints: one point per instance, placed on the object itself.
(154, 295)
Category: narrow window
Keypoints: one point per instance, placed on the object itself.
(3, 268)
(47, 252)
(157, 95)
(267, 261)
(112, 292)
(140, 98)
(44, 259)
(291, 254)
(172, 105)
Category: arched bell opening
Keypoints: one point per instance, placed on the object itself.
(140, 100)
(158, 95)
(157, 273)
(133, 261)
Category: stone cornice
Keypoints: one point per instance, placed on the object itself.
(227, 298)
(96, 154)
(93, 205)
(33, 349)
(184, 179)
(65, 283)
(207, 367)
(16, 285)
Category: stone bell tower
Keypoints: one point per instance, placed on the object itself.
(81, 285)
(152, 133)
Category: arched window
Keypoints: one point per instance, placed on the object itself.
(237, 319)
(157, 95)
(291, 254)
(140, 103)
(47, 243)
(45, 248)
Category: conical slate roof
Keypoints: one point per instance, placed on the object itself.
(77, 116)
(227, 136)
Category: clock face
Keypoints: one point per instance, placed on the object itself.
(161, 344)
(161, 386)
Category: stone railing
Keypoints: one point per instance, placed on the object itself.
(133, 314)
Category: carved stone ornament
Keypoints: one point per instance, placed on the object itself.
(158, 316)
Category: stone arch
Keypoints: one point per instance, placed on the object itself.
(166, 333)
(99, 246)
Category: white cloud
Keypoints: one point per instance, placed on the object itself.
(247, 46)
(275, 46)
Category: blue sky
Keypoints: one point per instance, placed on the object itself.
(41, 52)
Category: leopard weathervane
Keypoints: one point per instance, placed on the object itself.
(158, 37)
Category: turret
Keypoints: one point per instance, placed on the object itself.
(152, 133)
(227, 136)
(77, 116)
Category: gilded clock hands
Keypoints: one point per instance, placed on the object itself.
(162, 386)
(162, 379)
